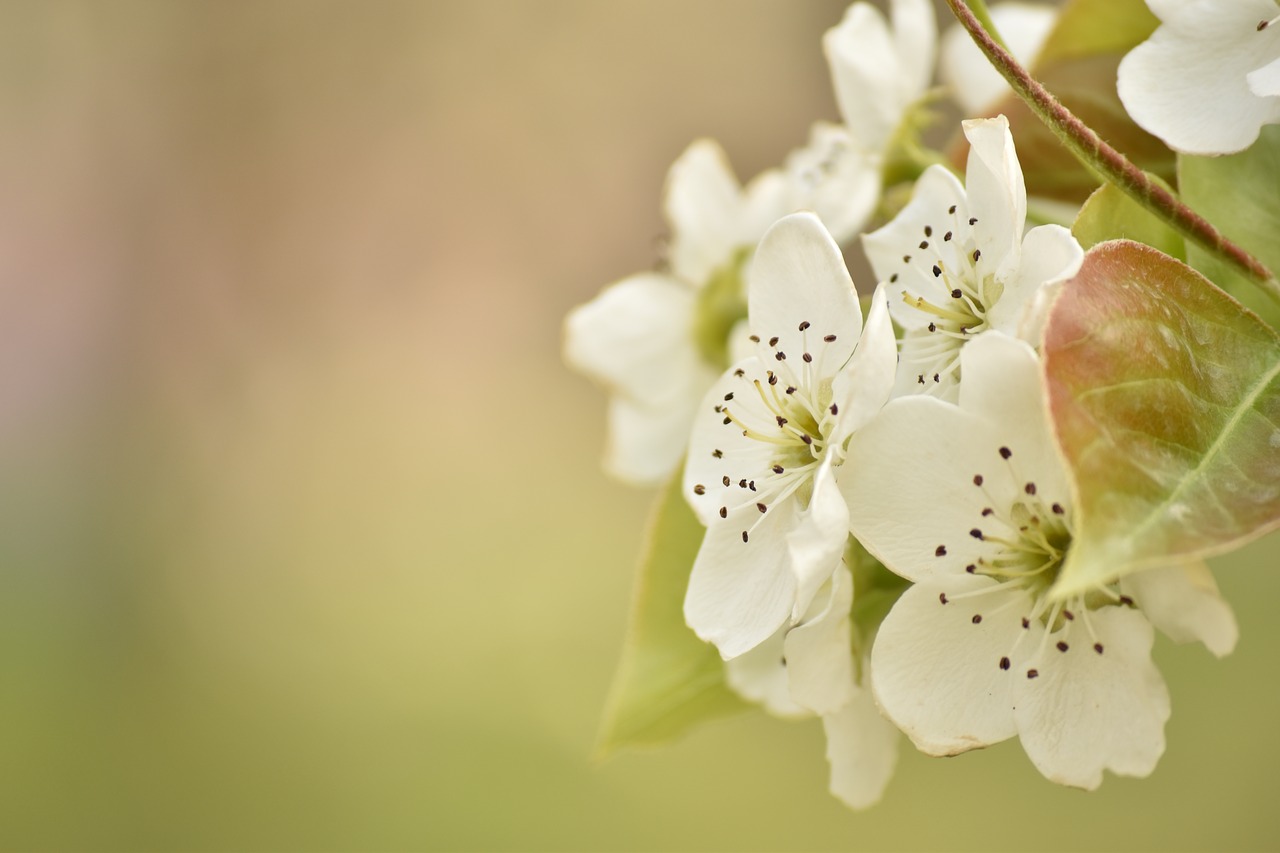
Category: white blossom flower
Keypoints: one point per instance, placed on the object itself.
(770, 437)
(808, 669)
(973, 82)
(1208, 79)
(652, 338)
(971, 503)
(956, 262)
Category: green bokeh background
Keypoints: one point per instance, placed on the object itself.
(303, 537)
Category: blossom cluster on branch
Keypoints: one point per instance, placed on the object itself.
(960, 505)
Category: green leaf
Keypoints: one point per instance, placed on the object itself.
(667, 680)
(1078, 65)
(1239, 194)
(1109, 214)
(1165, 395)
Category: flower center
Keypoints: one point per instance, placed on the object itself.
(957, 308)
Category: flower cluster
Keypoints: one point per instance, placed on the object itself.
(958, 506)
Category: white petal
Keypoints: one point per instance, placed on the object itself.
(760, 675)
(742, 592)
(909, 484)
(819, 651)
(1188, 84)
(1004, 384)
(1265, 81)
(936, 667)
(893, 249)
(865, 73)
(766, 200)
(740, 345)
(997, 195)
(645, 445)
(703, 204)
(816, 544)
(636, 338)
(915, 39)
(976, 85)
(1087, 712)
(836, 179)
(798, 278)
(1183, 602)
(862, 748)
(864, 386)
(1050, 254)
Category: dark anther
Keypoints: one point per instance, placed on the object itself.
(936, 378)
(751, 484)
(831, 339)
(728, 396)
(781, 420)
(807, 358)
(777, 469)
(951, 209)
(773, 342)
(791, 389)
(1126, 601)
(804, 324)
(699, 489)
(1005, 452)
(728, 420)
(977, 618)
(806, 438)
(1029, 488)
(1026, 623)
(780, 355)
(718, 453)
(1097, 647)
(975, 533)
(893, 278)
(920, 378)
(755, 339)
(973, 220)
(1057, 509)
(946, 238)
(1071, 617)
(906, 259)
(1031, 673)
(725, 479)
(932, 327)
(937, 270)
(924, 244)
(942, 597)
(739, 373)
(987, 511)
(761, 507)
(1004, 663)
(1062, 647)
(928, 231)
(773, 378)
(744, 536)
(724, 512)
(940, 551)
(956, 294)
(971, 568)
(977, 479)
(742, 484)
(835, 410)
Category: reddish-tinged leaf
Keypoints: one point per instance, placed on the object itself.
(1165, 394)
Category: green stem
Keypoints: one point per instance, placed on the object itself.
(1090, 149)
(979, 9)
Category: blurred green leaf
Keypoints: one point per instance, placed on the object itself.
(1109, 214)
(1165, 395)
(1240, 194)
(667, 680)
(1078, 65)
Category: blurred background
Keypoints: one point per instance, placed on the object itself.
(303, 539)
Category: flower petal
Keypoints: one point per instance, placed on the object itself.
(703, 203)
(863, 387)
(1265, 81)
(1088, 711)
(636, 338)
(836, 179)
(997, 195)
(760, 676)
(1183, 602)
(740, 592)
(974, 83)
(862, 748)
(819, 650)
(908, 484)
(936, 667)
(1189, 83)
(798, 279)
(817, 542)
(1050, 254)
(915, 40)
(645, 445)
(865, 74)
